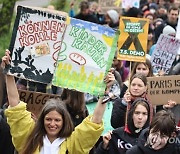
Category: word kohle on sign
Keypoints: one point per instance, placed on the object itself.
(88, 50)
(36, 40)
(132, 43)
(164, 53)
(80, 52)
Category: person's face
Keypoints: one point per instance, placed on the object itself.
(140, 116)
(151, 18)
(173, 16)
(157, 140)
(53, 123)
(162, 11)
(107, 19)
(85, 11)
(115, 62)
(141, 68)
(137, 87)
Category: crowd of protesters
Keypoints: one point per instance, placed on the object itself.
(65, 126)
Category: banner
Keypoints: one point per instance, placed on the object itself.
(35, 100)
(164, 88)
(88, 51)
(36, 40)
(126, 4)
(106, 5)
(132, 43)
(164, 53)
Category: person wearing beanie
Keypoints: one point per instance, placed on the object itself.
(168, 30)
(123, 138)
(112, 18)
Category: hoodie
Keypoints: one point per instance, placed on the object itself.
(142, 148)
(124, 138)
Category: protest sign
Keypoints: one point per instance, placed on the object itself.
(164, 53)
(35, 100)
(89, 51)
(126, 4)
(106, 5)
(132, 43)
(164, 88)
(36, 40)
(178, 31)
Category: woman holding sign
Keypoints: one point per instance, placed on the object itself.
(53, 132)
(137, 89)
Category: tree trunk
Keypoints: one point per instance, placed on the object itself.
(6, 14)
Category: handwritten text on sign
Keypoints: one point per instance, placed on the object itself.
(164, 88)
(165, 53)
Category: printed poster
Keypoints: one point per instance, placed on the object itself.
(35, 43)
(88, 50)
(164, 53)
(132, 43)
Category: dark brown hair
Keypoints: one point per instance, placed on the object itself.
(35, 139)
(130, 121)
(139, 76)
(164, 122)
(147, 63)
(173, 7)
(84, 5)
(74, 100)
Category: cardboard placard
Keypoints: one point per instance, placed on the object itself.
(132, 43)
(35, 100)
(164, 53)
(164, 88)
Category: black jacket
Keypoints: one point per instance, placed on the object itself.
(118, 114)
(88, 17)
(124, 138)
(6, 145)
(140, 148)
(119, 143)
(159, 29)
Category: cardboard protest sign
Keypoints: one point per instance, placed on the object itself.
(164, 53)
(130, 3)
(132, 43)
(164, 88)
(36, 40)
(88, 50)
(35, 100)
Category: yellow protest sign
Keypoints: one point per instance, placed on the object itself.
(132, 43)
